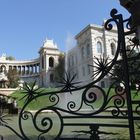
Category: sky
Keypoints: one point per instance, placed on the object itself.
(25, 24)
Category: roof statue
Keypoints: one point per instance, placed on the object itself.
(3, 56)
(49, 44)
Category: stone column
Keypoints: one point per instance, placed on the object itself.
(20, 70)
(32, 69)
(23, 70)
(35, 68)
(28, 69)
(15, 68)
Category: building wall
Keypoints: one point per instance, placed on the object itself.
(87, 51)
(35, 70)
(93, 42)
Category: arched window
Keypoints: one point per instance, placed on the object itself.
(51, 77)
(82, 52)
(51, 62)
(83, 70)
(3, 68)
(102, 84)
(42, 62)
(88, 69)
(88, 50)
(99, 47)
(113, 48)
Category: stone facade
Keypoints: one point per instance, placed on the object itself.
(40, 70)
(92, 42)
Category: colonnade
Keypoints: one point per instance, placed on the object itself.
(23, 69)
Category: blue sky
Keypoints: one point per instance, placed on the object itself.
(25, 24)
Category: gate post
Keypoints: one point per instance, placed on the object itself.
(118, 19)
(123, 50)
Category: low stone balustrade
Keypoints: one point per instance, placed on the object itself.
(7, 91)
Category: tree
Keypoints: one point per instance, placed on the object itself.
(60, 68)
(13, 78)
(133, 69)
(10, 58)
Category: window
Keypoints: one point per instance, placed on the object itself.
(88, 50)
(51, 77)
(10, 67)
(3, 68)
(75, 59)
(77, 74)
(88, 67)
(82, 52)
(51, 62)
(42, 62)
(72, 60)
(113, 48)
(83, 71)
(99, 47)
(102, 84)
(69, 62)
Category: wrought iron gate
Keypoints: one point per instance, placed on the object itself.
(96, 100)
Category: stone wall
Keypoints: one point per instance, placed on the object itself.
(7, 91)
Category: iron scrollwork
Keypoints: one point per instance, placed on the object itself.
(90, 96)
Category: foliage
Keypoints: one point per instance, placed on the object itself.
(35, 104)
(60, 68)
(10, 58)
(133, 69)
(44, 100)
(13, 78)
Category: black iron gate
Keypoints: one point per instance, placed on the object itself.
(96, 100)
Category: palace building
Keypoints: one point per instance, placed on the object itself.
(40, 69)
(93, 41)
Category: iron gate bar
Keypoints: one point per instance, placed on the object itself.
(87, 98)
(94, 117)
(136, 102)
(118, 19)
(126, 80)
(99, 124)
(101, 117)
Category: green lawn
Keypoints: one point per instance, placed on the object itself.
(123, 134)
(44, 101)
(35, 104)
(32, 133)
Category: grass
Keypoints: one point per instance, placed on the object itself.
(32, 133)
(35, 104)
(68, 130)
(44, 101)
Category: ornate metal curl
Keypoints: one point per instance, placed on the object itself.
(42, 125)
(91, 95)
(137, 110)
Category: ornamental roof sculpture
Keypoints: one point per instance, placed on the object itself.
(3, 56)
(49, 44)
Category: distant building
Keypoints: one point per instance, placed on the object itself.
(92, 41)
(40, 70)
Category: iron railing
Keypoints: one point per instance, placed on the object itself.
(96, 100)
